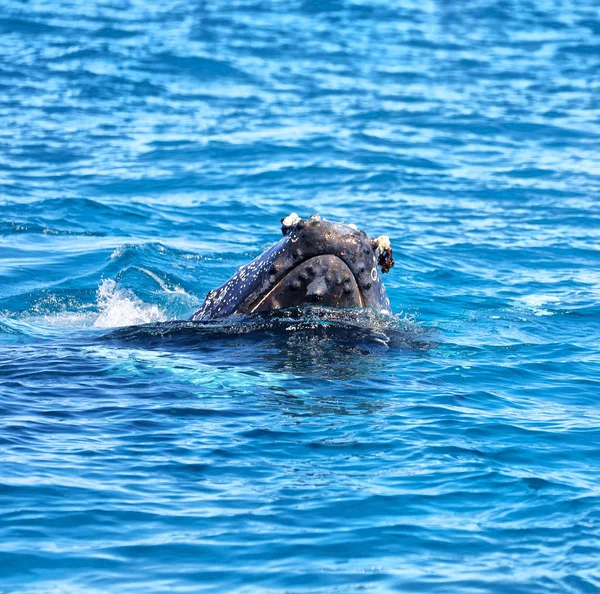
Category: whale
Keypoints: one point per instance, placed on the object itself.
(316, 262)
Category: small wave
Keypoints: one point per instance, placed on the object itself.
(163, 284)
(44, 312)
(70, 319)
(149, 248)
(14, 227)
(44, 327)
(535, 303)
(121, 307)
(9, 327)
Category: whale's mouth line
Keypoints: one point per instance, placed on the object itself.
(278, 286)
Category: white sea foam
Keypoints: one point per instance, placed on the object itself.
(538, 300)
(535, 302)
(121, 307)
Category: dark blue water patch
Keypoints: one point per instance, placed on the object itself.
(29, 27)
(116, 33)
(203, 68)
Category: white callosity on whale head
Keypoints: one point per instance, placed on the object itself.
(290, 220)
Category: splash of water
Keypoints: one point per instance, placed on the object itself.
(121, 307)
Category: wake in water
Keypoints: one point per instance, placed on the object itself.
(340, 326)
(129, 318)
(309, 341)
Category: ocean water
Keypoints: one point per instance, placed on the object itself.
(147, 149)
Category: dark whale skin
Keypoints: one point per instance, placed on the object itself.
(316, 262)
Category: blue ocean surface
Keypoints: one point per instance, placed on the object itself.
(148, 149)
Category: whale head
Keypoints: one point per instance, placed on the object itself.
(317, 262)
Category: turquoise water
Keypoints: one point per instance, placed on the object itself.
(150, 148)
